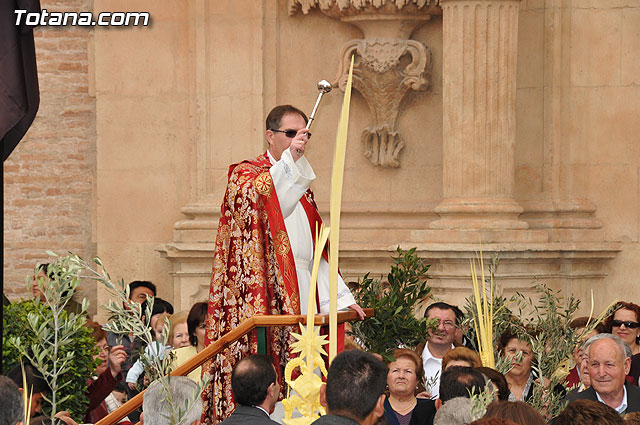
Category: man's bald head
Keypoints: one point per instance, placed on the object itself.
(251, 379)
(610, 340)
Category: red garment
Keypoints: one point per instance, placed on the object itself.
(253, 273)
(573, 378)
(98, 390)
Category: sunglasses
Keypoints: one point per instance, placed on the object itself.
(290, 133)
(627, 323)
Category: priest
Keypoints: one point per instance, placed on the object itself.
(264, 252)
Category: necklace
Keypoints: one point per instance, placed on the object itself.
(395, 405)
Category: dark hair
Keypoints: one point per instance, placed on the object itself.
(11, 401)
(588, 412)
(96, 330)
(622, 305)
(120, 387)
(458, 312)
(510, 334)
(197, 315)
(159, 306)
(45, 268)
(34, 380)
(442, 306)
(355, 382)
(492, 421)
(518, 411)
(498, 380)
(142, 283)
(275, 116)
(581, 322)
(51, 273)
(460, 381)
(251, 379)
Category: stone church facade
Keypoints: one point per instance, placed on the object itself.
(502, 125)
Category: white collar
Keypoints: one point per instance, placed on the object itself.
(258, 407)
(623, 406)
(273, 162)
(426, 353)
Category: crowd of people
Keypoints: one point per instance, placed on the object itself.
(120, 373)
(434, 384)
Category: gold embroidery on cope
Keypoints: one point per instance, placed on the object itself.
(282, 243)
(264, 183)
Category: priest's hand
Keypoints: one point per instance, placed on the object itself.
(298, 143)
(359, 310)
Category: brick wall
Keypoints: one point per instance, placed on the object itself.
(49, 178)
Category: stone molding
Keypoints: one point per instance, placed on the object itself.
(340, 8)
(381, 79)
(379, 72)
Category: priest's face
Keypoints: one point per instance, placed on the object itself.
(278, 141)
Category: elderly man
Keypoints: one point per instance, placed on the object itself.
(155, 406)
(608, 365)
(354, 393)
(438, 344)
(255, 390)
(264, 250)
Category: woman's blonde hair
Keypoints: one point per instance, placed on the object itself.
(176, 319)
(462, 354)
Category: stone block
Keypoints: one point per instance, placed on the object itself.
(622, 279)
(235, 62)
(595, 47)
(531, 34)
(529, 148)
(528, 181)
(158, 11)
(574, 179)
(630, 59)
(145, 133)
(614, 189)
(607, 4)
(607, 126)
(137, 205)
(416, 186)
(137, 62)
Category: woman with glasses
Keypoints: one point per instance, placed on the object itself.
(196, 325)
(625, 323)
(107, 374)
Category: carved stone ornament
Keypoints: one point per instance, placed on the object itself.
(341, 6)
(378, 74)
(387, 65)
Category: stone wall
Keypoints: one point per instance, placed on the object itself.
(49, 180)
(142, 167)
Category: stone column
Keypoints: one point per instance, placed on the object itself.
(479, 111)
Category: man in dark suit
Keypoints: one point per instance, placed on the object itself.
(608, 366)
(354, 393)
(255, 390)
